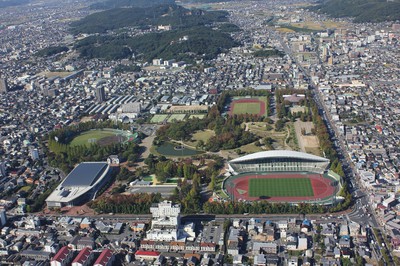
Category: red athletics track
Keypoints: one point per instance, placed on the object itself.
(262, 105)
(321, 186)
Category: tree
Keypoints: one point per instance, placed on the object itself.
(211, 185)
(279, 125)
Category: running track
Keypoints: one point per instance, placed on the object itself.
(321, 186)
(250, 100)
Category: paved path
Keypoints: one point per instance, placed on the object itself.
(147, 143)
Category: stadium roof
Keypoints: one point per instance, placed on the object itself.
(85, 174)
(279, 154)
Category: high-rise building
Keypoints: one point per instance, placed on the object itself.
(34, 154)
(100, 94)
(3, 217)
(3, 169)
(3, 85)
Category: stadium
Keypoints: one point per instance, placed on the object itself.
(282, 176)
(81, 185)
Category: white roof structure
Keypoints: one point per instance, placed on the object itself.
(279, 154)
(82, 179)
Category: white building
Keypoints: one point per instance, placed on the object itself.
(34, 154)
(165, 222)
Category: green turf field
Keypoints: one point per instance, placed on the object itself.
(177, 117)
(91, 136)
(158, 118)
(246, 108)
(280, 187)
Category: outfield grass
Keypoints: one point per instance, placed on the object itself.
(91, 136)
(280, 187)
(246, 108)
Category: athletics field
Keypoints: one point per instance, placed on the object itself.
(276, 187)
(281, 187)
(254, 106)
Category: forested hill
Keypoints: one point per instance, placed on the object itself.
(130, 3)
(196, 34)
(176, 16)
(7, 3)
(203, 1)
(361, 10)
(202, 43)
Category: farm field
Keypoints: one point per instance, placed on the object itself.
(277, 187)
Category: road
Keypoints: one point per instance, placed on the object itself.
(362, 212)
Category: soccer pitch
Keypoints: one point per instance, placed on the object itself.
(280, 187)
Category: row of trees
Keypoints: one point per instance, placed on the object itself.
(260, 207)
(64, 156)
(129, 204)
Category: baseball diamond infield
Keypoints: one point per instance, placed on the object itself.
(280, 187)
(249, 106)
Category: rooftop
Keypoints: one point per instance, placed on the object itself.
(85, 174)
(279, 154)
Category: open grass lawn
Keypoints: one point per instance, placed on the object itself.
(249, 108)
(91, 136)
(280, 187)
(203, 135)
(314, 150)
(250, 148)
